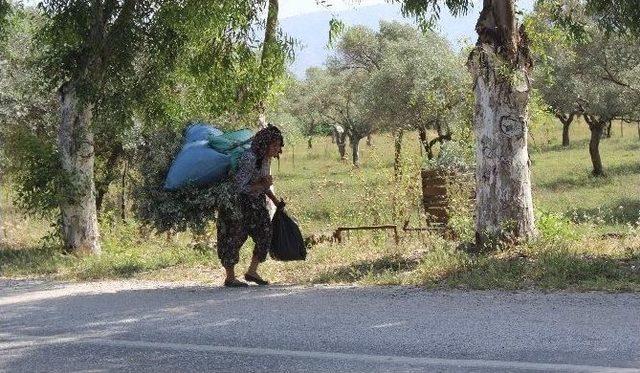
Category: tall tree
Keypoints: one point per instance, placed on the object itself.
(585, 70)
(340, 101)
(500, 65)
(271, 57)
(96, 47)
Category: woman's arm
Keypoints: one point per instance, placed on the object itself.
(272, 197)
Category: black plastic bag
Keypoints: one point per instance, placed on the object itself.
(287, 243)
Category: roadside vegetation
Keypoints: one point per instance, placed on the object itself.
(90, 125)
(589, 229)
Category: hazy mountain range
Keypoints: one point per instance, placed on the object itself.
(312, 30)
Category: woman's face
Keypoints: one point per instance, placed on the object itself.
(274, 149)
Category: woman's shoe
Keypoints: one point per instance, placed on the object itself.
(235, 283)
(255, 279)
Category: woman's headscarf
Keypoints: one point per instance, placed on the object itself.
(262, 139)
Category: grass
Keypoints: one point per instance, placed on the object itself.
(590, 234)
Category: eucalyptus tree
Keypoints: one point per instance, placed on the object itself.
(28, 117)
(272, 59)
(151, 56)
(500, 64)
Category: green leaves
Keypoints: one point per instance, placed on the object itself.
(621, 17)
(427, 12)
(336, 28)
(5, 9)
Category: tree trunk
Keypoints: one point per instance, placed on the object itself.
(397, 169)
(566, 123)
(608, 129)
(597, 127)
(267, 54)
(309, 143)
(422, 133)
(369, 140)
(341, 138)
(355, 150)
(565, 135)
(342, 149)
(594, 151)
(293, 156)
(500, 66)
(75, 143)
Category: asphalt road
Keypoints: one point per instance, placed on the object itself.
(146, 326)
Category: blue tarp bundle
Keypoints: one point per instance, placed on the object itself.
(200, 131)
(232, 144)
(206, 156)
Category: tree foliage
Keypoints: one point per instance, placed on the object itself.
(145, 68)
(619, 17)
(421, 84)
(28, 117)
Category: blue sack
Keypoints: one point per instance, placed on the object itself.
(199, 131)
(197, 164)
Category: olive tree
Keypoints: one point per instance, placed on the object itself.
(420, 84)
(607, 72)
(338, 98)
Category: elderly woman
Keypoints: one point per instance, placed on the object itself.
(251, 187)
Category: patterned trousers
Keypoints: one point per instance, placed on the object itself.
(233, 233)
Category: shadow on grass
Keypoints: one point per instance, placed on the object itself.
(621, 211)
(579, 180)
(623, 169)
(551, 270)
(366, 268)
(575, 182)
(548, 269)
(635, 146)
(40, 260)
(579, 144)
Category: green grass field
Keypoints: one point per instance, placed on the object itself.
(590, 235)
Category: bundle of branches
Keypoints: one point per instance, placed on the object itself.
(164, 210)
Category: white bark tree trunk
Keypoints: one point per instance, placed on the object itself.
(504, 207)
(76, 147)
(267, 54)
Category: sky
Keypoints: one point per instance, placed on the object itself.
(292, 8)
